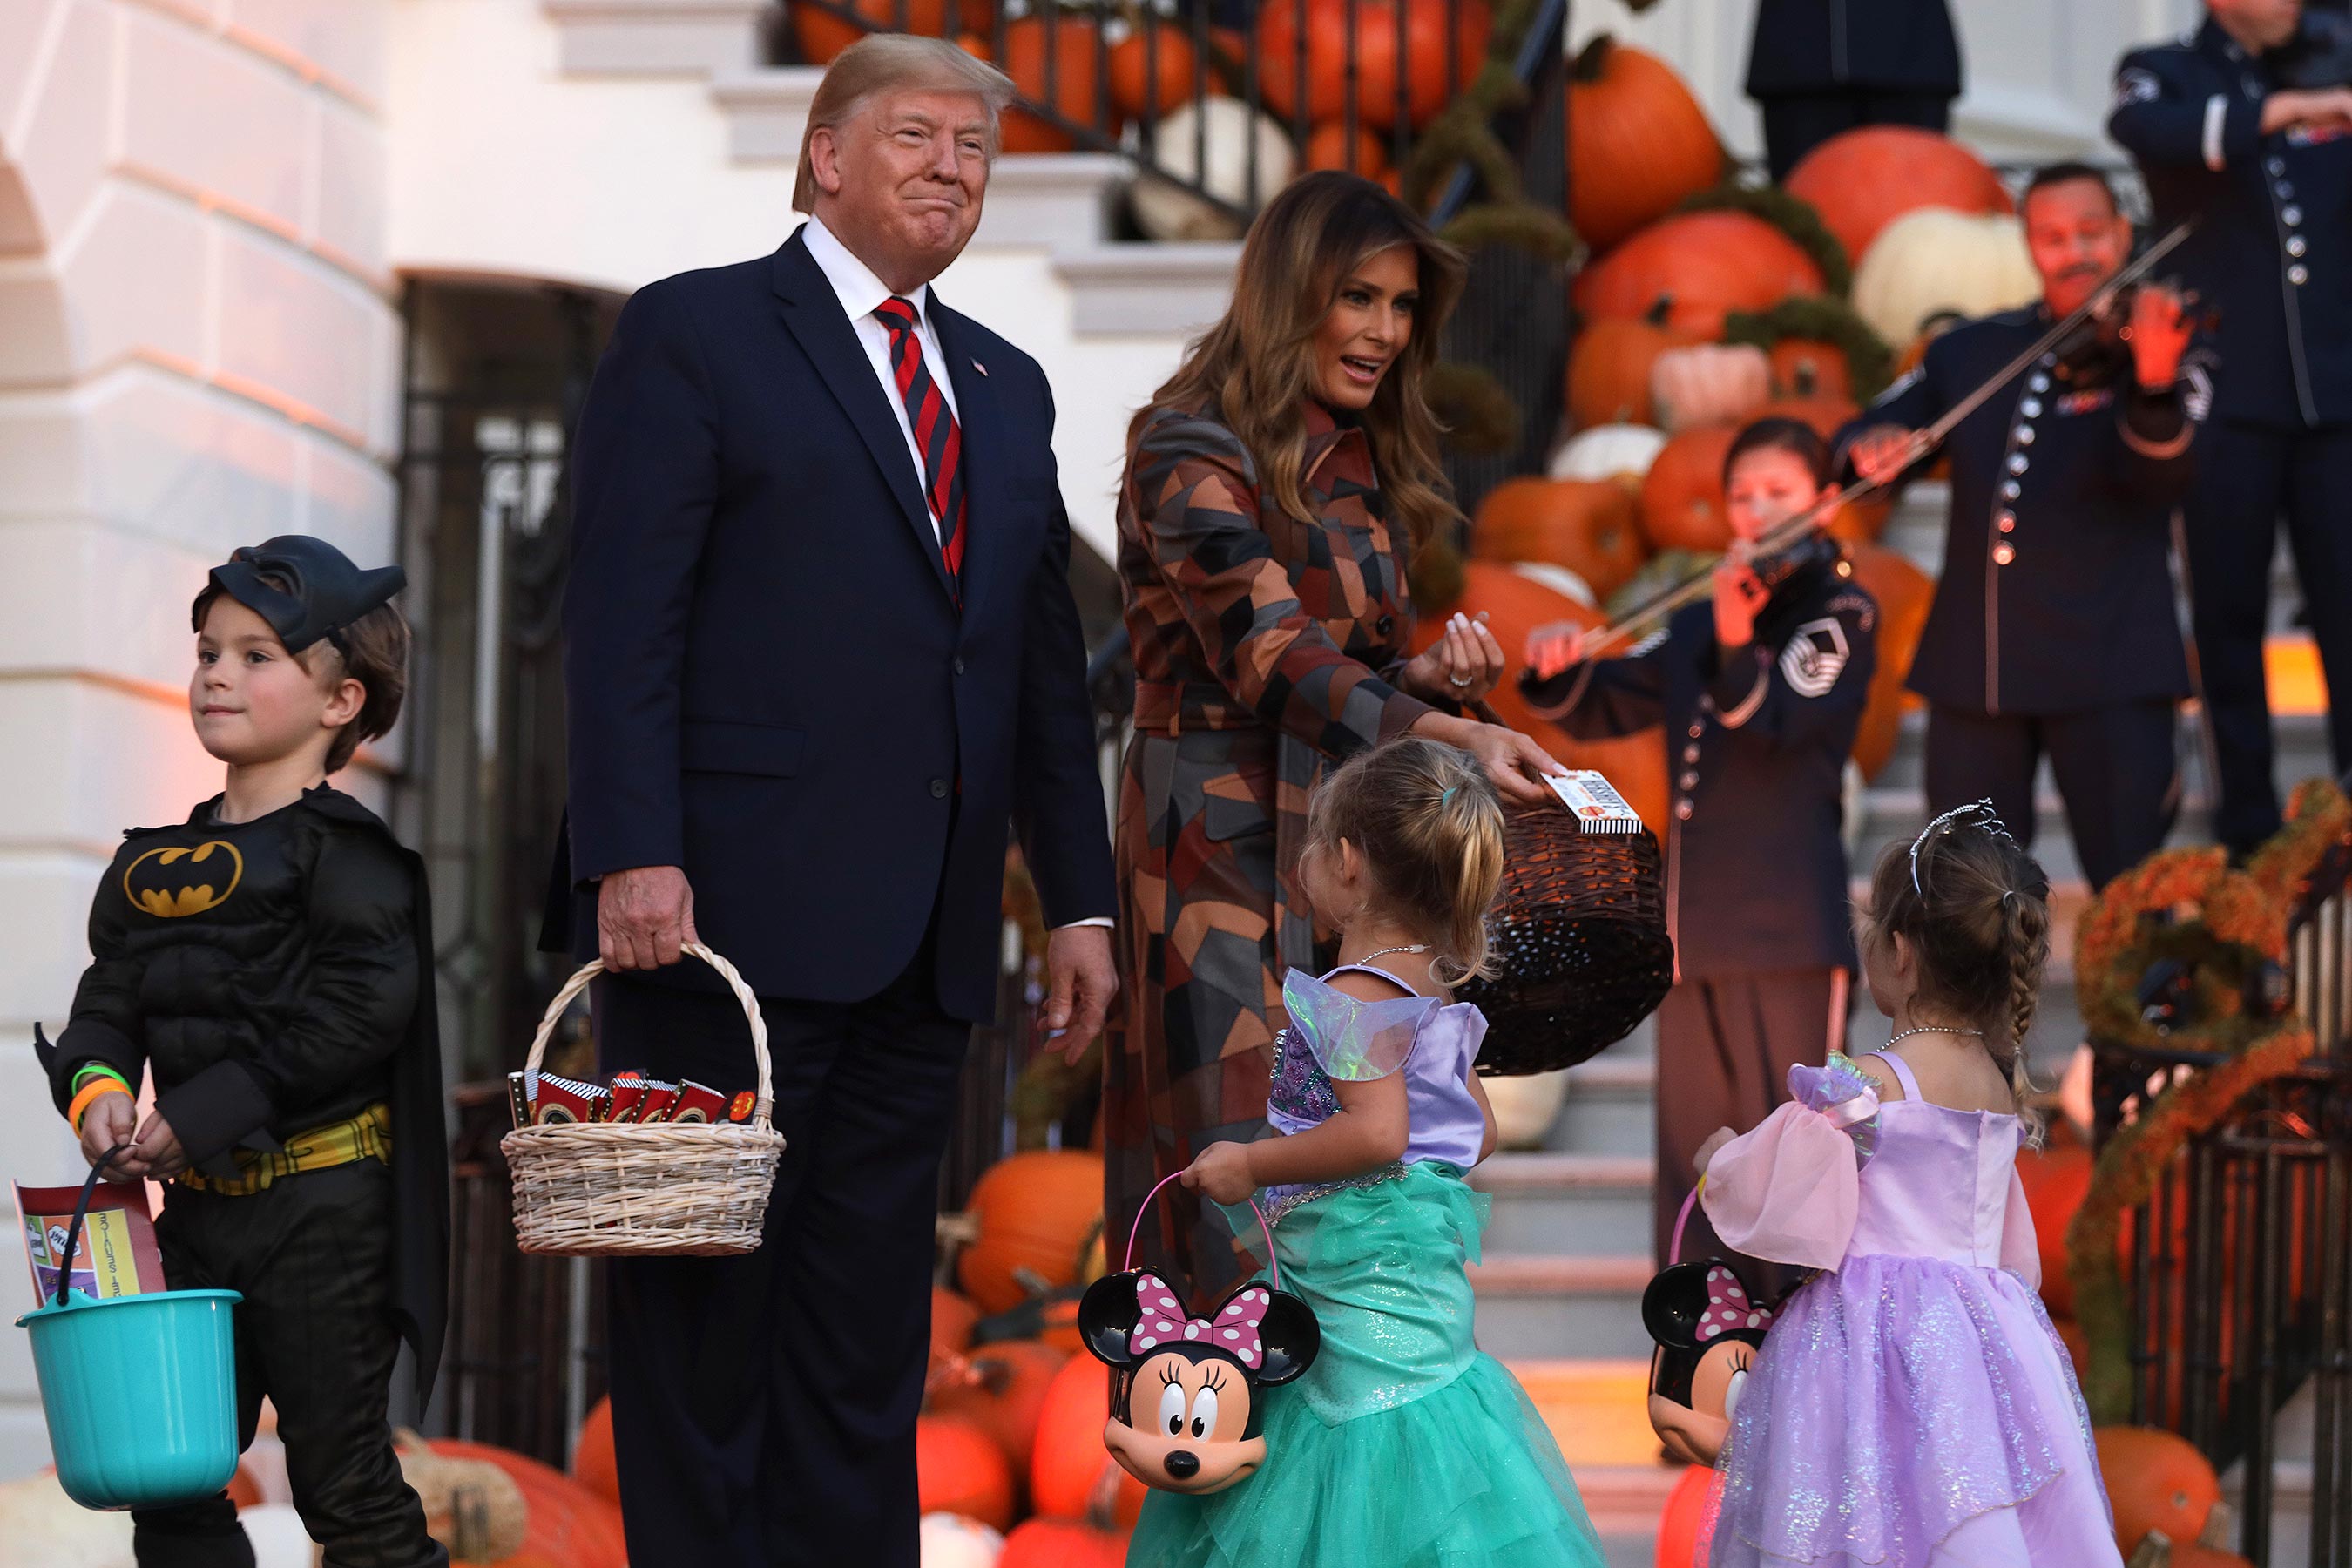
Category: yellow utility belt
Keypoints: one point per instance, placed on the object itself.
(367, 1136)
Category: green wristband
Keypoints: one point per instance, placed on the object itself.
(95, 1070)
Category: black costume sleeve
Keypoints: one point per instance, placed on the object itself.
(105, 1027)
(1603, 697)
(1815, 681)
(353, 1003)
(2160, 118)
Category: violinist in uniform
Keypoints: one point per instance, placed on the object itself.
(1760, 693)
(2053, 629)
(2246, 125)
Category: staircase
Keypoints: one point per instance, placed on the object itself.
(1568, 1252)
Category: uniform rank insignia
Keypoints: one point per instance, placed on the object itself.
(1814, 656)
(2136, 85)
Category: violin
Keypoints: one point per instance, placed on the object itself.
(2097, 351)
(1811, 551)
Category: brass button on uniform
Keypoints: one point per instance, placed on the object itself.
(2004, 554)
(938, 789)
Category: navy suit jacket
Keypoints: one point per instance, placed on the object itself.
(767, 679)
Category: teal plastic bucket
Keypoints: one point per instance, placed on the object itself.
(140, 1396)
(140, 1391)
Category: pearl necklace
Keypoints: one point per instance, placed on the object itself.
(1931, 1029)
(1383, 952)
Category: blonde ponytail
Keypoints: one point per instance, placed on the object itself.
(1430, 827)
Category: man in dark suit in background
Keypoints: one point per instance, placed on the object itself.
(821, 650)
(1820, 67)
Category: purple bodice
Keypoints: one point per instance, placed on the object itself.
(1331, 1035)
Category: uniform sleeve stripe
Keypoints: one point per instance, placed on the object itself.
(2217, 110)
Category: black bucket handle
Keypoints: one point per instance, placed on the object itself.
(81, 1213)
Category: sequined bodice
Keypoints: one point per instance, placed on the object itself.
(1938, 1186)
(1300, 1092)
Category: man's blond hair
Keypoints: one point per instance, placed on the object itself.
(893, 62)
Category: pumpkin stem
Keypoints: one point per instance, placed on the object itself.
(1807, 381)
(1592, 60)
(1660, 309)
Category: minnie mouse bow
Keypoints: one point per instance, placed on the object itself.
(1727, 1306)
(1233, 1329)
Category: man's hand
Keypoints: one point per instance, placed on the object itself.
(1555, 646)
(1881, 451)
(109, 1120)
(645, 918)
(158, 1152)
(1083, 981)
(2321, 105)
(1223, 1172)
(2158, 334)
(1711, 1148)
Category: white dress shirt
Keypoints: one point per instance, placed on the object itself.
(859, 292)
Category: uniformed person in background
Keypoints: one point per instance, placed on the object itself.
(2266, 169)
(1820, 67)
(1760, 693)
(2054, 629)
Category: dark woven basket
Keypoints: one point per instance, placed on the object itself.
(1579, 933)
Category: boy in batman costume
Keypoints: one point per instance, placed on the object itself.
(269, 962)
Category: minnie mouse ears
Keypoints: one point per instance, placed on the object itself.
(1692, 1305)
(1126, 1319)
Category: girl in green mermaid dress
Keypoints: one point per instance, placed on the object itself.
(1402, 1445)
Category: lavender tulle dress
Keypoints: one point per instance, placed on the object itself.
(1912, 1407)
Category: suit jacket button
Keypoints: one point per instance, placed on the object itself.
(938, 789)
(958, 666)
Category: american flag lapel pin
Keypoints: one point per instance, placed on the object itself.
(980, 367)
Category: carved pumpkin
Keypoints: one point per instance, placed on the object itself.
(1704, 264)
(2056, 1177)
(1000, 1389)
(1638, 143)
(1035, 1212)
(1064, 1543)
(1710, 384)
(959, 1468)
(1330, 148)
(1621, 452)
(1586, 526)
(1682, 496)
(1609, 367)
(1325, 29)
(2156, 1480)
(819, 35)
(1860, 181)
(1903, 594)
(1152, 76)
(1170, 212)
(1026, 47)
(1068, 1466)
(1933, 260)
(592, 1464)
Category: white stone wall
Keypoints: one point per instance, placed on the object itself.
(198, 350)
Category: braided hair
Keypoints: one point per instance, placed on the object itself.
(1975, 907)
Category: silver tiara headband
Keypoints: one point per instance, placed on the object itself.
(1985, 816)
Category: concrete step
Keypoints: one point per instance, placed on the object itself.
(1536, 1307)
(1609, 1105)
(1570, 1206)
(1625, 1503)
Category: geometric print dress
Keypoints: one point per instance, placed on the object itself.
(1265, 649)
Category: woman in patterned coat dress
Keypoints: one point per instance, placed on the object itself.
(1276, 488)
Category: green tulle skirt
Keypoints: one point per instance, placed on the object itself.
(1403, 1447)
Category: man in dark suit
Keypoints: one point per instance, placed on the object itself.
(822, 652)
(1820, 67)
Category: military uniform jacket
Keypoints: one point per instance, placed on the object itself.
(276, 975)
(1756, 748)
(1826, 46)
(2056, 593)
(2272, 250)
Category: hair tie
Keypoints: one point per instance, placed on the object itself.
(1451, 790)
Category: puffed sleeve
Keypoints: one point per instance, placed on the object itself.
(1353, 1041)
(1789, 1191)
(2020, 1248)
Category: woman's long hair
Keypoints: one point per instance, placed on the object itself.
(1257, 365)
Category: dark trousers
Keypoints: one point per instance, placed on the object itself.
(1795, 123)
(763, 1407)
(2247, 476)
(2115, 765)
(1724, 1049)
(313, 1254)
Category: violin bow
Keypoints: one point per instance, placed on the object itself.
(1790, 530)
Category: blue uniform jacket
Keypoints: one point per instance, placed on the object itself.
(2275, 231)
(1757, 747)
(2056, 593)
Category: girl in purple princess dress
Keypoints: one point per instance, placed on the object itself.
(1912, 1407)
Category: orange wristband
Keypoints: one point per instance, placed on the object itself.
(91, 1092)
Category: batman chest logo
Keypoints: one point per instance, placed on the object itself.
(169, 883)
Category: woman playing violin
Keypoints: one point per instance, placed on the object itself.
(1760, 693)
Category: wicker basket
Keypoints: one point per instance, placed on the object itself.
(595, 1189)
(1580, 934)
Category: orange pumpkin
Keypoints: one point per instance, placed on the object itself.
(959, 1468)
(1070, 1466)
(1064, 1543)
(1609, 367)
(1071, 44)
(2056, 1177)
(2156, 1480)
(1862, 521)
(1860, 181)
(1638, 143)
(1320, 28)
(1330, 148)
(592, 1464)
(564, 1521)
(1824, 414)
(1808, 367)
(243, 1490)
(1037, 1213)
(2192, 1554)
(1703, 265)
(1685, 1533)
(1903, 594)
(952, 1317)
(820, 35)
(1682, 495)
(1000, 1389)
(1150, 77)
(1587, 527)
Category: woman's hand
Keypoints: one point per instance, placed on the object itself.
(1223, 1172)
(1740, 594)
(1517, 765)
(109, 1120)
(1711, 1148)
(1463, 666)
(1555, 646)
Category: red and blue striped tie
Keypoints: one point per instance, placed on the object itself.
(935, 433)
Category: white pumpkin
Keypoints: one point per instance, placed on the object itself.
(1524, 1108)
(1607, 452)
(1165, 210)
(1710, 384)
(42, 1527)
(951, 1541)
(1560, 580)
(1936, 259)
